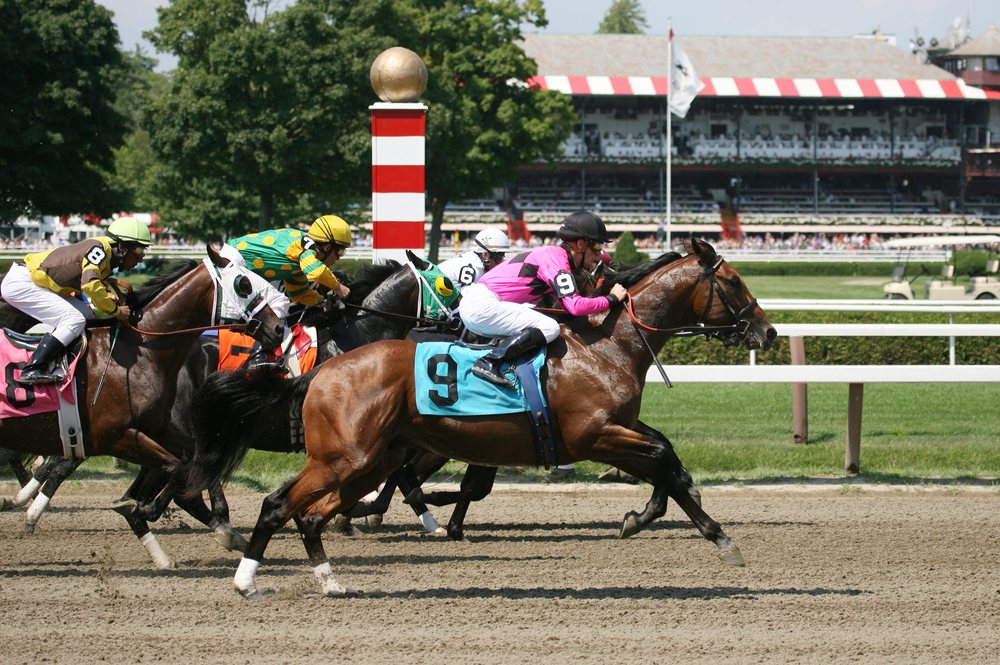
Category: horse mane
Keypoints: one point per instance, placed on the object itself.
(145, 293)
(632, 275)
(371, 276)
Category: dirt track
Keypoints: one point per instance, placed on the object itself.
(831, 577)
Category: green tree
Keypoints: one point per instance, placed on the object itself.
(273, 107)
(59, 67)
(265, 111)
(624, 17)
(625, 251)
(137, 170)
(482, 121)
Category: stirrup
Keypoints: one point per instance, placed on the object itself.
(488, 372)
(34, 377)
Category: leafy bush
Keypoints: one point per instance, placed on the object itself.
(625, 251)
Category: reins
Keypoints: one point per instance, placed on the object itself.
(240, 327)
(419, 320)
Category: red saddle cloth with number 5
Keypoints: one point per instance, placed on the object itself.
(19, 400)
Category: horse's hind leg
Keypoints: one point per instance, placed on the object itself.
(60, 469)
(40, 475)
(141, 530)
(682, 473)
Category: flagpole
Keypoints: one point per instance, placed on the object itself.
(670, 139)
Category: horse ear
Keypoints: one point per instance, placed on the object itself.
(417, 262)
(705, 252)
(213, 253)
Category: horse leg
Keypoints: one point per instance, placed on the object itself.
(307, 488)
(655, 460)
(224, 534)
(682, 472)
(476, 486)
(140, 528)
(61, 469)
(413, 474)
(40, 475)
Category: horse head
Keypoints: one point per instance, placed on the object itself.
(726, 302)
(243, 297)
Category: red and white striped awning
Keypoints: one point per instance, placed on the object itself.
(769, 87)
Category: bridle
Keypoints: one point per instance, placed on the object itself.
(734, 333)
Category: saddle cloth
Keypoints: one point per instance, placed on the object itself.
(300, 347)
(445, 385)
(18, 400)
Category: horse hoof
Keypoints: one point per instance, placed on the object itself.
(373, 522)
(440, 531)
(630, 526)
(253, 594)
(342, 525)
(124, 507)
(29, 528)
(5, 504)
(732, 556)
(231, 541)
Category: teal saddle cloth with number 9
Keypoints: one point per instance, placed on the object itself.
(445, 385)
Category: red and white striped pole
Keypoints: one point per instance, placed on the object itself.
(397, 179)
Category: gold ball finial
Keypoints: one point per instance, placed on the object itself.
(398, 75)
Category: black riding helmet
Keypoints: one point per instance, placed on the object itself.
(583, 224)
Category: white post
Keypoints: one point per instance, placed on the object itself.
(670, 139)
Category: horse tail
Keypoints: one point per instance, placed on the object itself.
(229, 410)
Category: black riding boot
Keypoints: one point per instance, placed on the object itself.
(489, 366)
(37, 370)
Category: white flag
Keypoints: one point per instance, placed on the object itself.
(684, 82)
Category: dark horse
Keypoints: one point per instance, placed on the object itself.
(360, 413)
(137, 371)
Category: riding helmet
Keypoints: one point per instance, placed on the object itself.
(583, 224)
(130, 230)
(330, 228)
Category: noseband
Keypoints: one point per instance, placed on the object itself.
(739, 330)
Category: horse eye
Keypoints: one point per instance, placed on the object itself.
(735, 283)
(242, 286)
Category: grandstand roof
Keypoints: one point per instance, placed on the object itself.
(987, 43)
(740, 66)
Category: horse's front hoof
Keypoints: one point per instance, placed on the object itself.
(29, 527)
(732, 556)
(254, 594)
(439, 532)
(373, 522)
(5, 504)
(630, 526)
(231, 541)
(342, 525)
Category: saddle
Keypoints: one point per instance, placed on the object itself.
(445, 386)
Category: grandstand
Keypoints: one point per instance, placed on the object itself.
(787, 129)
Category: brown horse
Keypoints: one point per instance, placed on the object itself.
(360, 409)
(127, 381)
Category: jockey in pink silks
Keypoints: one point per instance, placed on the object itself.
(497, 305)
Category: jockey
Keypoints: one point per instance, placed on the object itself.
(296, 258)
(467, 267)
(43, 285)
(497, 305)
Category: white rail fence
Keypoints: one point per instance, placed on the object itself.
(800, 374)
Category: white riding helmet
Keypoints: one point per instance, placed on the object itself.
(493, 241)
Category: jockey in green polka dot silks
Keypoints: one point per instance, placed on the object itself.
(296, 258)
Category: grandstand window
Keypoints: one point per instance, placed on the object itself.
(992, 64)
(719, 130)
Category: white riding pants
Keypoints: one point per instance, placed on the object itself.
(279, 302)
(485, 314)
(67, 316)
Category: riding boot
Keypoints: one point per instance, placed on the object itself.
(489, 367)
(37, 370)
